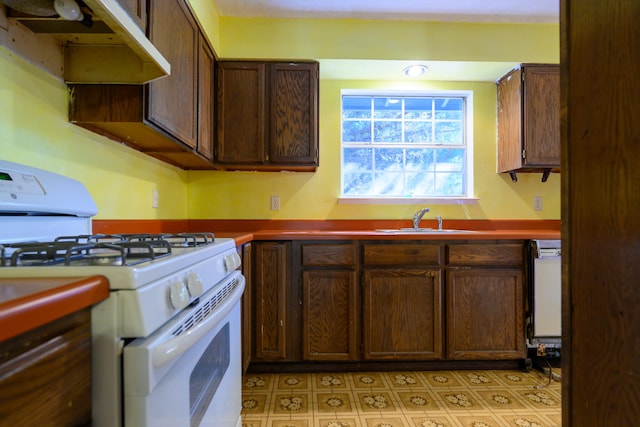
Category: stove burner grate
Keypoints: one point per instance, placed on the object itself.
(82, 251)
(189, 240)
(100, 249)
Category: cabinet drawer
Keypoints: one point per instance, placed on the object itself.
(328, 254)
(401, 254)
(486, 254)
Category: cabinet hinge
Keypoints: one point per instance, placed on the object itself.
(524, 154)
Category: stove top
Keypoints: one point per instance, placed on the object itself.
(100, 249)
(129, 261)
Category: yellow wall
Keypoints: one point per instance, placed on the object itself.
(34, 128)
(34, 131)
(209, 20)
(390, 40)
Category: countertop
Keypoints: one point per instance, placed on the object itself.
(244, 231)
(518, 234)
(26, 303)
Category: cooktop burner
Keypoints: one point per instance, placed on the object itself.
(99, 249)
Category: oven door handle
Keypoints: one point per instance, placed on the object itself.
(173, 348)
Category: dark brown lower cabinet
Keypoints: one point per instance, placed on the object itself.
(272, 276)
(485, 317)
(45, 374)
(384, 301)
(330, 315)
(402, 314)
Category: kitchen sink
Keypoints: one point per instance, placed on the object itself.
(411, 230)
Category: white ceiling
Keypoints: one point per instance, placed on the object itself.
(538, 11)
(497, 11)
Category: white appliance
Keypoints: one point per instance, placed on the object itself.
(545, 323)
(166, 342)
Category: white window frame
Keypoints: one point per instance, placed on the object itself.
(468, 199)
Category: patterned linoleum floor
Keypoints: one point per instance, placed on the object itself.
(402, 399)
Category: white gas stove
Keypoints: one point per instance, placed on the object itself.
(172, 296)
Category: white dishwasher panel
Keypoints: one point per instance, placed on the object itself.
(547, 298)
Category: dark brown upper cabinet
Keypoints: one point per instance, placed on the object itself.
(267, 116)
(170, 118)
(137, 10)
(529, 120)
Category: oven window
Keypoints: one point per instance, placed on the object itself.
(207, 375)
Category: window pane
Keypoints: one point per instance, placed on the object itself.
(450, 160)
(448, 132)
(357, 159)
(357, 184)
(449, 183)
(356, 131)
(356, 107)
(449, 108)
(384, 131)
(423, 184)
(389, 159)
(418, 108)
(420, 159)
(388, 184)
(418, 132)
(387, 108)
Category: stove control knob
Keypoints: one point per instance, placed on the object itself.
(232, 261)
(194, 284)
(178, 295)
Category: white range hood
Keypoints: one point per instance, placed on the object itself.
(114, 50)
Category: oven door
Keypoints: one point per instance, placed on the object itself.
(189, 372)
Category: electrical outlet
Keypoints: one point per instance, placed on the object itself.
(275, 203)
(537, 203)
(154, 199)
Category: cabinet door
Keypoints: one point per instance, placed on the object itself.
(293, 113)
(542, 116)
(206, 105)
(510, 99)
(241, 113)
(529, 118)
(45, 374)
(402, 314)
(137, 10)
(172, 100)
(329, 315)
(485, 317)
(270, 288)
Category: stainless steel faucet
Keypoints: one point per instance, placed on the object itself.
(418, 216)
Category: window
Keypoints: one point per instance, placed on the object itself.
(413, 145)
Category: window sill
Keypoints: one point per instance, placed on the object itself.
(407, 200)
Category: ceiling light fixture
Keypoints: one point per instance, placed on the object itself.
(415, 70)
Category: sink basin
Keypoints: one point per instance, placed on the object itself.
(411, 230)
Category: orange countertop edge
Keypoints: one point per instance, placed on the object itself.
(36, 302)
(244, 231)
